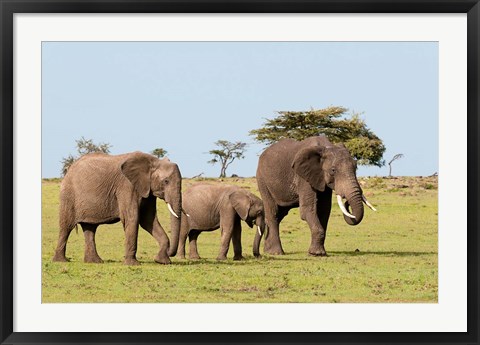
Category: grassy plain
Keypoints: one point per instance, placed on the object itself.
(390, 257)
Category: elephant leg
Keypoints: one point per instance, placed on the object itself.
(67, 221)
(65, 230)
(91, 255)
(226, 226)
(184, 231)
(131, 238)
(273, 244)
(156, 230)
(149, 222)
(273, 216)
(317, 234)
(308, 211)
(237, 240)
(192, 244)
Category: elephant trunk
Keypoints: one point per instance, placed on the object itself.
(174, 203)
(258, 237)
(353, 208)
(354, 201)
(175, 233)
(175, 230)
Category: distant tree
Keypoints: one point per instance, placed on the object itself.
(362, 143)
(397, 156)
(159, 152)
(226, 153)
(66, 163)
(84, 146)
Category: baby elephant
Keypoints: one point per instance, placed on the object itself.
(209, 207)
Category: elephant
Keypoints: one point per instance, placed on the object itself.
(303, 174)
(208, 207)
(104, 189)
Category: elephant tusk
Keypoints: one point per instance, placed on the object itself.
(171, 210)
(185, 212)
(342, 207)
(368, 204)
(259, 232)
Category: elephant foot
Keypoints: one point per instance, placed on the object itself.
(274, 248)
(257, 255)
(131, 262)
(317, 252)
(160, 259)
(275, 251)
(180, 254)
(93, 259)
(194, 257)
(221, 258)
(238, 257)
(59, 258)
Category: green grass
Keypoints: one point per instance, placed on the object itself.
(390, 257)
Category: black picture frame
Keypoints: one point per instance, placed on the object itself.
(7, 10)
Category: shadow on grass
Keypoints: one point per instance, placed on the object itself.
(175, 262)
(360, 253)
(384, 253)
(229, 262)
(250, 260)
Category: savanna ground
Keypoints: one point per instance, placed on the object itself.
(390, 257)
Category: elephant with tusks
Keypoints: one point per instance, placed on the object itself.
(104, 189)
(304, 174)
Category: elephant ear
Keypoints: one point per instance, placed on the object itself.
(241, 203)
(308, 165)
(137, 170)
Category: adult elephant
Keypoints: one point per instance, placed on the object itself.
(104, 189)
(303, 174)
(209, 207)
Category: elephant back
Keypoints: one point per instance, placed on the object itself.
(274, 171)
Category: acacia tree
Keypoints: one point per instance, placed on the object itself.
(226, 153)
(159, 152)
(84, 146)
(334, 123)
(397, 156)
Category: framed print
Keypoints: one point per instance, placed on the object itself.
(255, 125)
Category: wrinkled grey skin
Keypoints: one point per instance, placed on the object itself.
(104, 189)
(210, 207)
(303, 174)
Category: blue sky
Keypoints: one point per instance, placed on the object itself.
(184, 96)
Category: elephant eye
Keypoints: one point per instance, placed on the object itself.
(332, 171)
(165, 181)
